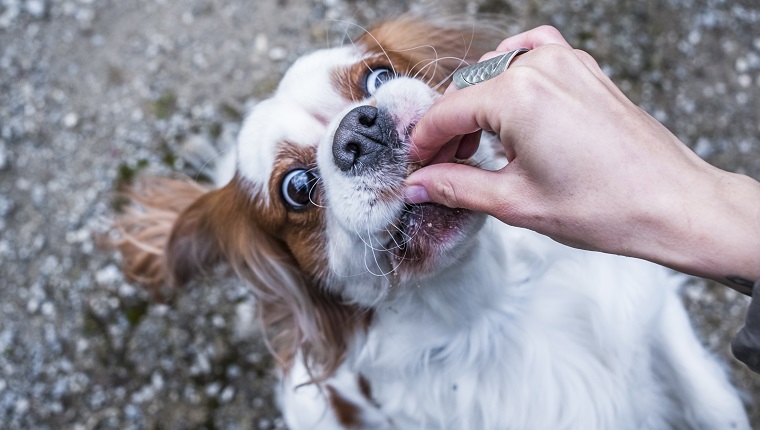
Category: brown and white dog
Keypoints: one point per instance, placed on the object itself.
(393, 316)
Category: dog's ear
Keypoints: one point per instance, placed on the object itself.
(205, 234)
(144, 226)
(193, 246)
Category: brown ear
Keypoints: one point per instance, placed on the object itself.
(201, 234)
(145, 225)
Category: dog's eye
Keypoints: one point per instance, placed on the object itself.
(297, 188)
(375, 79)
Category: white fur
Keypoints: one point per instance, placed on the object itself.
(358, 222)
(514, 331)
(294, 114)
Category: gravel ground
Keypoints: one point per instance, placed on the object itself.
(91, 92)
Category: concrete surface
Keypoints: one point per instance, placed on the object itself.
(91, 92)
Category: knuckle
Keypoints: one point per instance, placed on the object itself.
(585, 56)
(523, 83)
(557, 52)
(548, 31)
(447, 193)
(558, 57)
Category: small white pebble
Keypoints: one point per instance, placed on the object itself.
(277, 54)
(227, 394)
(70, 120)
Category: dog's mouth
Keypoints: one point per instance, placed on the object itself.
(427, 229)
(370, 154)
(428, 232)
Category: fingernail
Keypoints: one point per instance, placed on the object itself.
(416, 194)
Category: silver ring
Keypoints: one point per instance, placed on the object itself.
(485, 70)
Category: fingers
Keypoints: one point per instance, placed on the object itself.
(437, 130)
(455, 114)
(447, 152)
(460, 147)
(459, 186)
(533, 39)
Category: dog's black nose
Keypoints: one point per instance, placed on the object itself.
(363, 138)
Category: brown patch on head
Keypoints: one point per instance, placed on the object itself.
(280, 253)
(411, 46)
(331, 323)
(301, 230)
(176, 230)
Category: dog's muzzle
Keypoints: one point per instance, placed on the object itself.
(365, 136)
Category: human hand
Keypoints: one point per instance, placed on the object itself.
(587, 167)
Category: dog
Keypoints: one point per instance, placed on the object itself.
(385, 315)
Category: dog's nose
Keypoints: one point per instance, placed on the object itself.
(362, 139)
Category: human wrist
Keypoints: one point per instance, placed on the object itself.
(735, 260)
(712, 230)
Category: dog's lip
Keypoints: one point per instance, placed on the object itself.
(427, 228)
(437, 209)
(438, 216)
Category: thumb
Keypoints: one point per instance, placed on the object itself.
(460, 186)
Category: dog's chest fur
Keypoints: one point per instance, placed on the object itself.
(479, 347)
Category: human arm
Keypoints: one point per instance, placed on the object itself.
(588, 167)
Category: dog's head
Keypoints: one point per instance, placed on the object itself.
(314, 217)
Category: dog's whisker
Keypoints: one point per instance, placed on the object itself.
(366, 244)
(434, 63)
(443, 81)
(405, 236)
(380, 45)
(210, 159)
(368, 241)
(377, 249)
(315, 186)
(366, 264)
(380, 273)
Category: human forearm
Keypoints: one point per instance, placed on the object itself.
(714, 231)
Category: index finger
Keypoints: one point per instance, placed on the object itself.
(452, 115)
(442, 122)
(534, 38)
